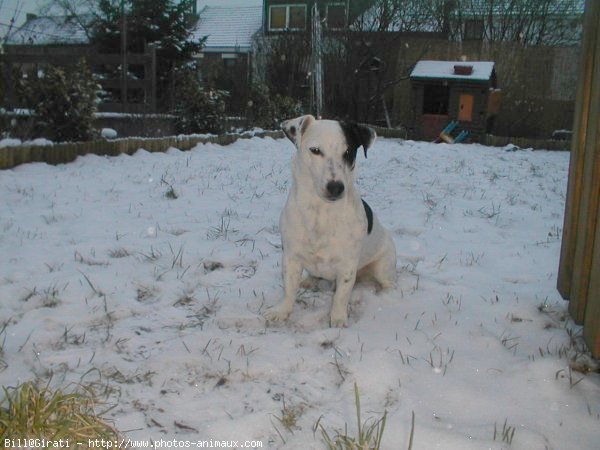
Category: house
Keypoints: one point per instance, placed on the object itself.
(533, 22)
(54, 30)
(551, 23)
(297, 15)
(310, 50)
(224, 62)
(62, 40)
(460, 92)
(226, 59)
(39, 41)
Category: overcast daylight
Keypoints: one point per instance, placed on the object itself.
(18, 9)
(300, 225)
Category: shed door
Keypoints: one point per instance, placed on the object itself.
(465, 107)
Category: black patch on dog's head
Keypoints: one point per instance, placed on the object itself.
(356, 136)
(295, 128)
(290, 133)
(369, 213)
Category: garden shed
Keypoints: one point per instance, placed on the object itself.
(457, 96)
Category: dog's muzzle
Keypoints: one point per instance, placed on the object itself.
(335, 189)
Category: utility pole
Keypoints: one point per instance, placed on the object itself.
(123, 57)
(317, 63)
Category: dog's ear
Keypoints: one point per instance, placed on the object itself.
(367, 137)
(295, 128)
(358, 135)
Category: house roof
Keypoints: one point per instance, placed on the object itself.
(49, 30)
(228, 29)
(412, 17)
(417, 16)
(482, 70)
(483, 8)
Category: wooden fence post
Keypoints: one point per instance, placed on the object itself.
(580, 250)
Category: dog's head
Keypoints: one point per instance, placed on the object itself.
(327, 149)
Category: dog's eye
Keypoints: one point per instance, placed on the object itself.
(315, 151)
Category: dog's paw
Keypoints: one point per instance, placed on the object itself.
(279, 313)
(385, 286)
(339, 319)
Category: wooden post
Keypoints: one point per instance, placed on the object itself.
(152, 75)
(124, 63)
(580, 250)
(9, 88)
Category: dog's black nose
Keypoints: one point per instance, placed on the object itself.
(335, 189)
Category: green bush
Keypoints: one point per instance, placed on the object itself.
(63, 101)
(265, 110)
(199, 110)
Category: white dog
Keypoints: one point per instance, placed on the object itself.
(326, 228)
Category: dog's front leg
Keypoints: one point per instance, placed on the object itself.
(339, 309)
(292, 274)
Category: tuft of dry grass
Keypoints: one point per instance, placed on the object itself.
(28, 411)
(369, 433)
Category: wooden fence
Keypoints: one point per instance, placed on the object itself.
(579, 271)
(67, 152)
(542, 144)
(134, 94)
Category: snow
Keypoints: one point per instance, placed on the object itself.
(201, 4)
(482, 70)
(228, 28)
(109, 133)
(119, 115)
(14, 142)
(10, 142)
(50, 30)
(146, 275)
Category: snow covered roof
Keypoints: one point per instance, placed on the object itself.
(415, 17)
(228, 29)
(482, 70)
(483, 8)
(49, 30)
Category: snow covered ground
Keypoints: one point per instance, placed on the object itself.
(147, 276)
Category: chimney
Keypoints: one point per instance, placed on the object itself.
(463, 69)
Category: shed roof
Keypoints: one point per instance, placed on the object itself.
(444, 70)
(45, 30)
(228, 29)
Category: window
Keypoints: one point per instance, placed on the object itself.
(229, 63)
(229, 60)
(278, 18)
(287, 17)
(473, 30)
(336, 16)
(436, 99)
(297, 17)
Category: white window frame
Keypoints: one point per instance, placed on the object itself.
(342, 4)
(287, 16)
